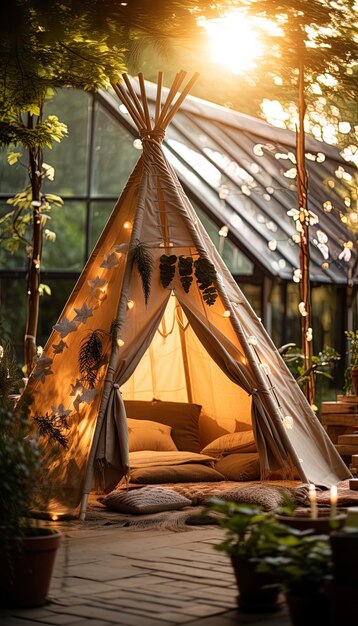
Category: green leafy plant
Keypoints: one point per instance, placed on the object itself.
(250, 532)
(301, 561)
(143, 260)
(352, 336)
(322, 364)
(167, 269)
(21, 469)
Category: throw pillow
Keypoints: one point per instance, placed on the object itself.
(147, 435)
(188, 473)
(239, 466)
(183, 418)
(145, 500)
(231, 443)
(261, 495)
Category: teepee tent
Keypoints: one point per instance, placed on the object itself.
(168, 321)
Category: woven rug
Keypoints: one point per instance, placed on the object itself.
(346, 496)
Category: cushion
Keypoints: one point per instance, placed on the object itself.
(147, 435)
(181, 416)
(231, 443)
(150, 458)
(239, 466)
(146, 500)
(264, 496)
(188, 473)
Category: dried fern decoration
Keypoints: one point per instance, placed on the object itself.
(143, 260)
(167, 269)
(53, 427)
(90, 357)
(186, 272)
(205, 274)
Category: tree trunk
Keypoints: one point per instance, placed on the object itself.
(302, 184)
(33, 276)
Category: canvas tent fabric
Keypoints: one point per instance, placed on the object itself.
(175, 347)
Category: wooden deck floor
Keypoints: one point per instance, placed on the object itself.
(112, 575)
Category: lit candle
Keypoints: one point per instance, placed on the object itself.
(333, 501)
(313, 501)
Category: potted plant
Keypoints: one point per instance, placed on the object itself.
(27, 549)
(352, 336)
(251, 534)
(301, 561)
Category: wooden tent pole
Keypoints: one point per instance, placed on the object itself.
(121, 311)
(184, 352)
(126, 101)
(179, 101)
(159, 97)
(134, 96)
(144, 101)
(172, 93)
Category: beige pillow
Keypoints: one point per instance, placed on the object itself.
(183, 417)
(231, 443)
(146, 500)
(186, 473)
(239, 466)
(147, 435)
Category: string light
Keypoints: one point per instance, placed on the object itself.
(127, 225)
(226, 313)
(272, 244)
(327, 206)
(39, 351)
(130, 304)
(252, 340)
(288, 422)
(309, 334)
(120, 343)
(302, 309)
(223, 232)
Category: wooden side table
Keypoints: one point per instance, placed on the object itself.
(341, 418)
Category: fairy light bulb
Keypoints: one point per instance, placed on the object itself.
(272, 244)
(327, 206)
(39, 351)
(120, 343)
(130, 304)
(309, 334)
(127, 225)
(252, 340)
(226, 313)
(288, 422)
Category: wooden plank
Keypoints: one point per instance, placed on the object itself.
(338, 407)
(349, 399)
(346, 450)
(348, 440)
(337, 419)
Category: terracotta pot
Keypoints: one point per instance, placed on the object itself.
(26, 566)
(324, 524)
(258, 592)
(307, 608)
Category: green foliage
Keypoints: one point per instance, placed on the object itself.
(301, 562)
(250, 533)
(167, 269)
(298, 560)
(19, 458)
(16, 224)
(143, 260)
(352, 336)
(322, 364)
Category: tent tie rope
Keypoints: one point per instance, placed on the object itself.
(157, 134)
